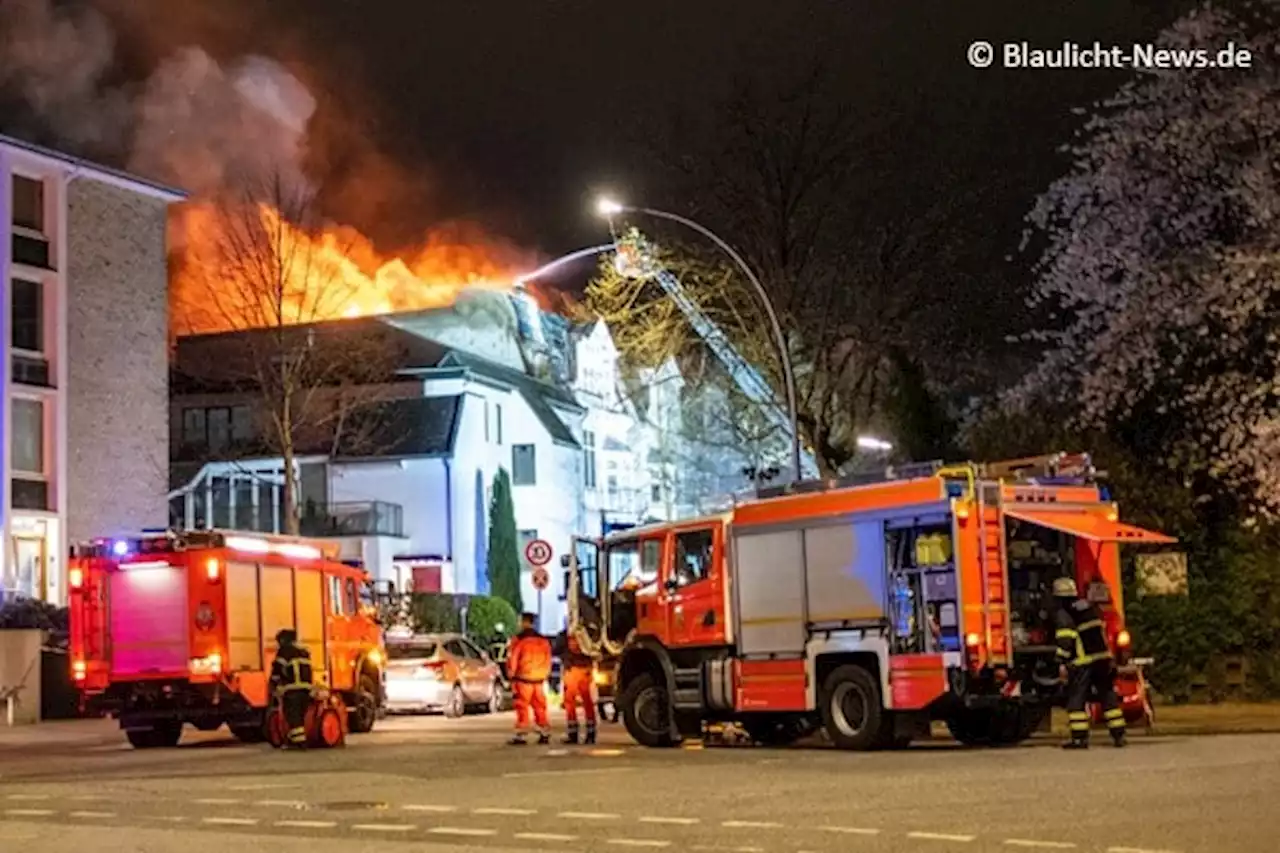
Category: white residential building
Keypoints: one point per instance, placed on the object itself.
(84, 260)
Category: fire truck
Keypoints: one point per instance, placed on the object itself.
(868, 609)
(179, 628)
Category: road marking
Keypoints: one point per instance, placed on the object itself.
(384, 827)
(92, 815)
(230, 821)
(216, 801)
(544, 836)
(427, 808)
(1135, 850)
(588, 816)
(638, 842)
(461, 830)
(850, 830)
(605, 753)
(29, 797)
(89, 798)
(282, 804)
(270, 787)
(29, 812)
(939, 836)
(306, 824)
(750, 824)
(676, 821)
(504, 811)
(1047, 845)
(583, 772)
(166, 818)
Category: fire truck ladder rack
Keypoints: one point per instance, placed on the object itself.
(908, 471)
(181, 540)
(995, 593)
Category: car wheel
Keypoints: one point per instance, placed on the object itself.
(457, 704)
(494, 704)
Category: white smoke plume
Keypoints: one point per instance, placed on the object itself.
(192, 123)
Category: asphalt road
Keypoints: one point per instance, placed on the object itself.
(430, 784)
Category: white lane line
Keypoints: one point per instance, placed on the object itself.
(92, 815)
(384, 827)
(230, 821)
(638, 842)
(166, 818)
(850, 830)
(544, 836)
(306, 824)
(429, 808)
(461, 830)
(29, 812)
(588, 815)
(215, 801)
(270, 787)
(750, 824)
(89, 798)
(31, 798)
(673, 821)
(940, 836)
(282, 804)
(1136, 850)
(583, 772)
(1044, 845)
(494, 810)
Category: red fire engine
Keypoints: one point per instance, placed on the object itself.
(869, 609)
(173, 629)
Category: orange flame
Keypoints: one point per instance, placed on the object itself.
(343, 275)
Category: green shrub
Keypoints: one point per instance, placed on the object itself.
(485, 613)
(434, 613)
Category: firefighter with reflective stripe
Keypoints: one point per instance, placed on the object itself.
(578, 669)
(291, 684)
(1083, 653)
(529, 666)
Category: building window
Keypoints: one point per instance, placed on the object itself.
(656, 493)
(497, 420)
(28, 203)
(28, 316)
(486, 421)
(589, 458)
(216, 429)
(193, 430)
(27, 448)
(524, 465)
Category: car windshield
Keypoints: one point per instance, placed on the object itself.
(409, 651)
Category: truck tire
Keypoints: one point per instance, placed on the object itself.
(161, 736)
(971, 728)
(852, 710)
(364, 706)
(250, 733)
(645, 711)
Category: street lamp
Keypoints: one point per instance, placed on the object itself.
(609, 208)
(870, 442)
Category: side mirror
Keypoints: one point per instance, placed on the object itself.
(564, 561)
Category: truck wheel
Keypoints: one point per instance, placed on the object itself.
(646, 712)
(851, 708)
(162, 736)
(250, 733)
(364, 711)
(970, 728)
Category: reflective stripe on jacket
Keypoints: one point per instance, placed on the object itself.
(1080, 635)
(291, 670)
(530, 657)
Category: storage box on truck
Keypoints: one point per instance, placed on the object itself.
(180, 628)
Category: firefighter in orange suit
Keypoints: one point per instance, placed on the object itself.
(578, 668)
(529, 666)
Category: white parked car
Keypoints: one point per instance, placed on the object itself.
(442, 673)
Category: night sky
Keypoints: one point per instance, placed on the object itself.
(511, 112)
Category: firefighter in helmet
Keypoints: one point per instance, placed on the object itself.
(291, 683)
(1090, 670)
(529, 666)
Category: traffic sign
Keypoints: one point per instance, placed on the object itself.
(538, 552)
(541, 578)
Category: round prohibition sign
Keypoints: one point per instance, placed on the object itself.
(541, 578)
(538, 552)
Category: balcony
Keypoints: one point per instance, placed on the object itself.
(362, 518)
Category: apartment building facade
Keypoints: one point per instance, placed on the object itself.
(83, 385)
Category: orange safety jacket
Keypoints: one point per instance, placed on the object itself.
(530, 658)
(573, 656)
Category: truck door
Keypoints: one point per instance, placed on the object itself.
(693, 586)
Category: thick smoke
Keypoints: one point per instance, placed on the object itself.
(193, 122)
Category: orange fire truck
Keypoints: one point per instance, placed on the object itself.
(869, 608)
(180, 628)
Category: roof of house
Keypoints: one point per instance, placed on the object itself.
(539, 395)
(414, 426)
(101, 172)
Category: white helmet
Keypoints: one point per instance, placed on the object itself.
(1064, 588)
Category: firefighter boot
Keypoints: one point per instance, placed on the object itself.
(591, 734)
(544, 738)
(571, 736)
(1119, 738)
(518, 740)
(1077, 743)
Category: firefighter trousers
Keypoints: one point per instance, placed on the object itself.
(531, 700)
(295, 703)
(1095, 679)
(577, 691)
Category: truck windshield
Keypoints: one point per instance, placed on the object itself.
(622, 562)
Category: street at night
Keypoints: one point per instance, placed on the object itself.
(436, 784)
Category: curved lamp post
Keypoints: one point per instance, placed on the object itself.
(610, 208)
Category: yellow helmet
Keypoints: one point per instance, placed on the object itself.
(1064, 588)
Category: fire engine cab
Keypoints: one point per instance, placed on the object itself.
(867, 608)
(179, 628)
